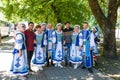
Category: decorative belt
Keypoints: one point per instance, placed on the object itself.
(86, 42)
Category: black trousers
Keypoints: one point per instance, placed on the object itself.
(29, 57)
(48, 58)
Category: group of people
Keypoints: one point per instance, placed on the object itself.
(44, 45)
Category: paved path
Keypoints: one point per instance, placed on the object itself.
(50, 73)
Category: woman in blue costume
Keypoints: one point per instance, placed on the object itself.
(96, 38)
(58, 51)
(19, 63)
(39, 55)
(75, 53)
(95, 50)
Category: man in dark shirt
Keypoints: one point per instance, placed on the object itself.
(29, 34)
(67, 33)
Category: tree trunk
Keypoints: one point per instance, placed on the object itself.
(0, 37)
(107, 24)
(109, 46)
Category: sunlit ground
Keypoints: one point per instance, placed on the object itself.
(5, 61)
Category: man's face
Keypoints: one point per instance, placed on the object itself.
(85, 26)
(49, 26)
(67, 25)
(31, 26)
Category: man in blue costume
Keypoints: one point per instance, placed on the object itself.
(49, 35)
(86, 45)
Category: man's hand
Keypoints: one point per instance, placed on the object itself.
(91, 49)
(65, 48)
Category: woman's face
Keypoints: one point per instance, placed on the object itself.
(76, 29)
(38, 29)
(59, 27)
(22, 28)
(43, 27)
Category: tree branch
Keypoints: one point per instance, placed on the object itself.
(118, 3)
(97, 12)
(112, 11)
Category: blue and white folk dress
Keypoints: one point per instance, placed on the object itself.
(19, 64)
(75, 53)
(58, 51)
(87, 42)
(39, 53)
(95, 48)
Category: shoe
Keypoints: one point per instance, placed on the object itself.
(59, 65)
(14, 77)
(41, 68)
(66, 64)
(31, 70)
(90, 70)
(83, 67)
(70, 64)
(52, 63)
(56, 65)
(48, 63)
(75, 66)
(22, 78)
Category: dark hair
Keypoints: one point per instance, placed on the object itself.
(85, 23)
(37, 26)
(67, 22)
(16, 24)
(30, 23)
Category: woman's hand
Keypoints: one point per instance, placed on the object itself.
(80, 48)
(64, 42)
(20, 53)
(35, 41)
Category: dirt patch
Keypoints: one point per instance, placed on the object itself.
(109, 67)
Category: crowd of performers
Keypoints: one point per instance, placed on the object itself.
(44, 45)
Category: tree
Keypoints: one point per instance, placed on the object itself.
(107, 24)
(47, 10)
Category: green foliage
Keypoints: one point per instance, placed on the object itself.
(104, 6)
(75, 11)
(51, 11)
